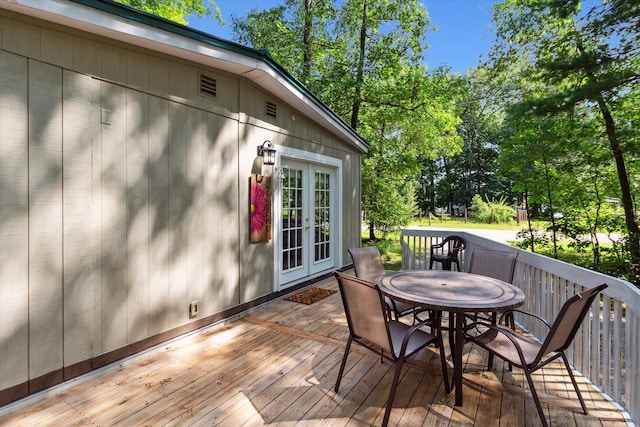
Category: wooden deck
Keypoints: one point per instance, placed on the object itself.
(278, 366)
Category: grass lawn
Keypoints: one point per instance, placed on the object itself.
(458, 222)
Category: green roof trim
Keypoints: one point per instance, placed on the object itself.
(142, 17)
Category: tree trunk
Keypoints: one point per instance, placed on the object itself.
(625, 190)
(529, 215)
(550, 201)
(308, 40)
(355, 109)
(623, 178)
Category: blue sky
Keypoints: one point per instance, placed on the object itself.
(464, 28)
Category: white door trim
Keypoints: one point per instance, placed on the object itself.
(308, 157)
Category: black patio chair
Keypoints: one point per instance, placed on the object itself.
(446, 252)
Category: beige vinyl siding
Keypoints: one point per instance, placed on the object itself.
(178, 206)
(87, 57)
(45, 219)
(14, 223)
(21, 38)
(351, 196)
(159, 234)
(57, 47)
(81, 243)
(113, 214)
(195, 172)
(223, 249)
(137, 215)
(124, 194)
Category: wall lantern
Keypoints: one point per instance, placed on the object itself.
(267, 152)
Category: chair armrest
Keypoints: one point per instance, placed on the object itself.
(405, 339)
(434, 322)
(504, 331)
(436, 246)
(547, 324)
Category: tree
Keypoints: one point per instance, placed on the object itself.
(473, 170)
(577, 58)
(294, 33)
(364, 60)
(176, 10)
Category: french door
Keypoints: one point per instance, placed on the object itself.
(307, 220)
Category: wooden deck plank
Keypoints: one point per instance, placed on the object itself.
(466, 414)
(356, 385)
(278, 367)
(272, 404)
(318, 384)
(204, 380)
(430, 391)
(161, 387)
(242, 392)
(271, 363)
(320, 411)
(318, 388)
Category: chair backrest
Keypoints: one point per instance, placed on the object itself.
(364, 308)
(367, 262)
(568, 321)
(454, 244)
(497, 264)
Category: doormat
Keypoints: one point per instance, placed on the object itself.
(310, 295)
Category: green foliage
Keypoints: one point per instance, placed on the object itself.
(390, 250)
(295, 34)
(392, 207)
(532, 239)
(577, 71)
(455, 177)
(363, 59)
(176, 10)
(492, 211)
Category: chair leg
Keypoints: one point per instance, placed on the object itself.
(344, 362)
(509, 321)
(392, 392)
(536, 399)
(575, 384)
(490, 362)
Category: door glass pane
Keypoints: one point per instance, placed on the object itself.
(292, 219)
(322, 214)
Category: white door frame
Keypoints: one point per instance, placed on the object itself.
(307, 157)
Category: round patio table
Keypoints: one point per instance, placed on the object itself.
(455, 292)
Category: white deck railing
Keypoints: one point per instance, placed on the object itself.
(607, 348)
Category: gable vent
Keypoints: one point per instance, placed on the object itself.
(208, 86)
(272, 110)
